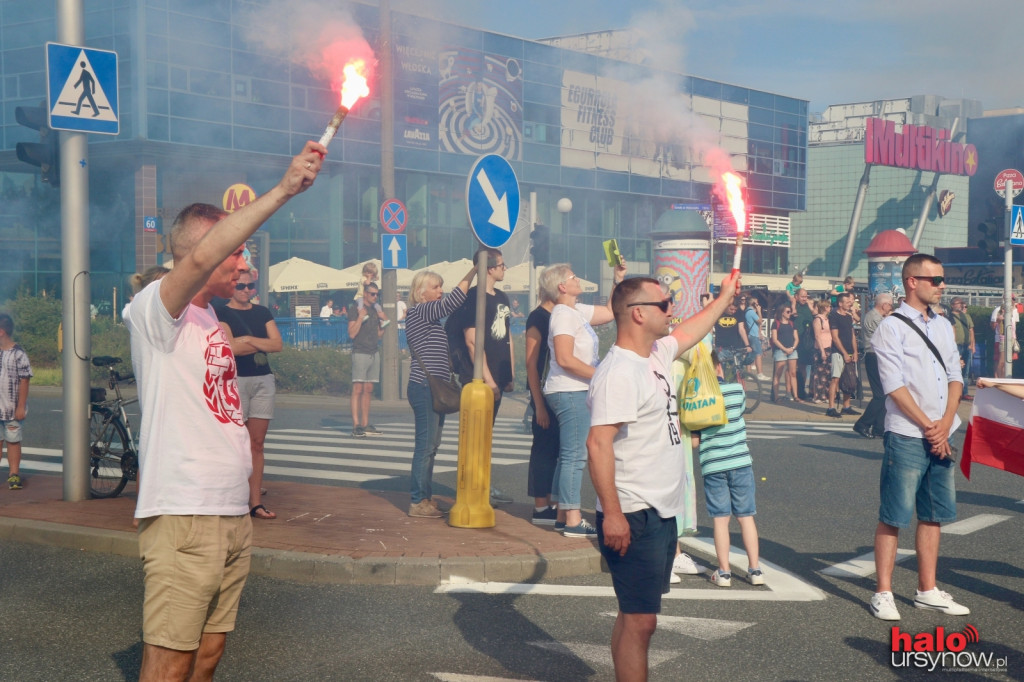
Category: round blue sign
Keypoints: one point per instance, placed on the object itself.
(492, 200)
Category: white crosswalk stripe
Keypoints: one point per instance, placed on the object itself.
(334, 455)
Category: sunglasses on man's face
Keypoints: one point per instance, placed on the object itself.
(243, 287)
(935, 280)
(662, 305)
(371, 293)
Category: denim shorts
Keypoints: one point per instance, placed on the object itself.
(10, 431)
(782, 356)
(911, 476)
(642, 575)
(730, 493)
(755, 345)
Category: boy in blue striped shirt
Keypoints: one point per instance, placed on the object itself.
(728, 473)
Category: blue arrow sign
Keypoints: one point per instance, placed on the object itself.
(492, 200)
(82, 89)
(393, 252)
(1017, 225)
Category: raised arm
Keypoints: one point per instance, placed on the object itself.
(689, 332)
(192, 269)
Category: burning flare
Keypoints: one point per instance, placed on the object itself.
(353, 88)
(734, 195)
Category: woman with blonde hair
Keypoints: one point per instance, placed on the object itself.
(427, 340)
(573, 353)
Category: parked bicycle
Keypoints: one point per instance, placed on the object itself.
(113, 457)
(735, 370)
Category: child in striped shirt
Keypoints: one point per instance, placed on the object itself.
(728, 473)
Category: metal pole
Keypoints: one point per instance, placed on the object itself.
(389, 278)
(858, 207)
(481, 313)
(529, 254)
(75, 281)
(1009, 332)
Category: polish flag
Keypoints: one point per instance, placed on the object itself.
(995, 434)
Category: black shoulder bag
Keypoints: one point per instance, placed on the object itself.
(446, 394)
(927, 341)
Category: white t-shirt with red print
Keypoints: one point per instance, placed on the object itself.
(194, 455)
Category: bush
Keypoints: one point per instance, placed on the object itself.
(36, 321)
(318, 371)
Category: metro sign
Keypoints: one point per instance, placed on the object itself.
(918, 148)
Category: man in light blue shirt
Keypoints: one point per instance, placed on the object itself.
(923, 388)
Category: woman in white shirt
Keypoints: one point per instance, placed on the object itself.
(573, 356)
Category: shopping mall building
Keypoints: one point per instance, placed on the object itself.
(207, 107)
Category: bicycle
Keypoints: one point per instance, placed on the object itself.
(113, 457)
(735, 367)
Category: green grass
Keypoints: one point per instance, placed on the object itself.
(47, 376)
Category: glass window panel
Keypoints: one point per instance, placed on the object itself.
(265, 141)
(764, 133)
(541, 53)
(789, 105)
(269, 92)
(209, 83)
(156, 101)
(534, 72)
(706, 88)
(195, 106)
(733, 93)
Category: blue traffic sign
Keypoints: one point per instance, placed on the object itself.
(1017, 225)
(393, 216)
(82, 89)
(492, 200)
(394, 253)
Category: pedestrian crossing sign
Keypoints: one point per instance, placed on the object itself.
(82, 89)
(1017, 225)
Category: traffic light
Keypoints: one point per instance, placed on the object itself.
(990, 241)
(44, 154)
(540, 245)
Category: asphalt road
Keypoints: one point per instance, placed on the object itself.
(72, 615)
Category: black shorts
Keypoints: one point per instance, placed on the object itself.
(642, 575)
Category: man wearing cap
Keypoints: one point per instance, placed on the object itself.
(963, 332)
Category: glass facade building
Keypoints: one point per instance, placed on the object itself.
(207, 104)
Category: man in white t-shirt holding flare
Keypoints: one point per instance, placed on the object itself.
(195, 533)
(635, 454)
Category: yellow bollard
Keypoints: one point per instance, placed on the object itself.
(472, 507)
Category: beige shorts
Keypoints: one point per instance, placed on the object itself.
(195, 568)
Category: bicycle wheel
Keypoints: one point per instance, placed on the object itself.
(108, 443)
(752, 387)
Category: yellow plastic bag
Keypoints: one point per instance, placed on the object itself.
(702, 404)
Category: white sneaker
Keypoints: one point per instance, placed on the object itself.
(721, 578)
(762, 377)
(938, 600)
(755, 576)
(674, 579)
(883, 606)
(685, 564)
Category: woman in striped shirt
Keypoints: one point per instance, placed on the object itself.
(425, 335)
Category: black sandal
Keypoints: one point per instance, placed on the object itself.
(269, 514)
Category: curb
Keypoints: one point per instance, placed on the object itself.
(329, 569)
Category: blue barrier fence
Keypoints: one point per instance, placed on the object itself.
(305, 332)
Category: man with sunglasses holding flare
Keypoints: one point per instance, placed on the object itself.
(919, 366)
(635, 454)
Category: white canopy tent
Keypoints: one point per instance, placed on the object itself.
(299, 274)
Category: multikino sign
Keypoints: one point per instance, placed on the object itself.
(917, 147)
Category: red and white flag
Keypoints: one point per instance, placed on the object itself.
(995, 434)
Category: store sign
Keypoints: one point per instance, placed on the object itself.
(917, 147)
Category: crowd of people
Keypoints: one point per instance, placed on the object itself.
(200, 348)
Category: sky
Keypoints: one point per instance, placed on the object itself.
(824, 52)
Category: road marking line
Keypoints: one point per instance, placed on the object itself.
(862, 566)
(292, 472)
(781, 583)
(707, 629)
(973, 523)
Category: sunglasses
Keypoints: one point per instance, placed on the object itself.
(935, 280)
(243, 287)
(663, 305)
(370, 293)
